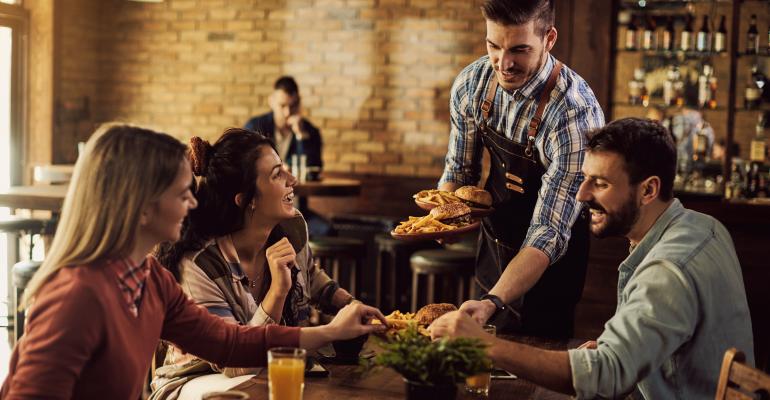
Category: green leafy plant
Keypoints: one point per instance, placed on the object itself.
(444, 361)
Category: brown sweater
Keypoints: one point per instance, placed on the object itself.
(82, 342)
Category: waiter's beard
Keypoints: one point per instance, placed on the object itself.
(617, 223)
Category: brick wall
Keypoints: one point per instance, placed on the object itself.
(77, 75)
(374, 75)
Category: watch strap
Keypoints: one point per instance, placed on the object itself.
(499, 304)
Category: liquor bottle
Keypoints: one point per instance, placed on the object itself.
(668, 86)
(720, 37)
(705, 91)
(678, 89)
(700, 143)
(703, 41)
(752, 37)
(632, 34)
(637, 91)
(648, 35)
(712, 103)
(667, 42)
(752, 180)
(685, 44)
(762, 190)
(734, 187)
(752, 95)
(762, 82)
(758, 150)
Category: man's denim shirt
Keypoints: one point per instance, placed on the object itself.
(681, 305)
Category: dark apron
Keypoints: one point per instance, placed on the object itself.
(515, 176)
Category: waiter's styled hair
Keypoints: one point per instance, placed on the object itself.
(520, 12)
(288, 85)
(647, 149)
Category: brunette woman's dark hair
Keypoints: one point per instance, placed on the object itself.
(222, 171)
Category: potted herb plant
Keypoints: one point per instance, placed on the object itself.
(431, 369)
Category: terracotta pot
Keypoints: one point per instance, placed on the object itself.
(421, 391)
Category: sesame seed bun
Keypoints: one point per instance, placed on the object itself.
(450, 211)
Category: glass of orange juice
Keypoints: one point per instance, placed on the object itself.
(479, 383)
(286, 373)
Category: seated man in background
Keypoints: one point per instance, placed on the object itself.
(681, 298)
(293, 135)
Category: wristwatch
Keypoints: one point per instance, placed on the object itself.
(500, 306)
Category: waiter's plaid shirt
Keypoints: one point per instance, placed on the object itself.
(571, 112)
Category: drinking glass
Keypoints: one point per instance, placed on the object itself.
(286, 373)
(226, 395)
(479, 383)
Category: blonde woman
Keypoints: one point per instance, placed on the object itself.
(99, 304)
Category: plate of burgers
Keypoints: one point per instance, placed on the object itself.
(479, 200)
(425, 316)
(442, 222)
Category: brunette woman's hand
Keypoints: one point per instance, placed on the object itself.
(354, 320)
(281, 258)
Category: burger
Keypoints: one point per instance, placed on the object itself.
(426, 315)
(474, 197)
(453, 214)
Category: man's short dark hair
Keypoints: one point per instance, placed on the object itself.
(520, 12)
(647, 149)
(288, 85)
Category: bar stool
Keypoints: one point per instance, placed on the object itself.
(21, 226)
(446, 263)
(393, 261)
(333, 251)
(22, 273)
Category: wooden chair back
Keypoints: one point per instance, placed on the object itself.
(738, 381)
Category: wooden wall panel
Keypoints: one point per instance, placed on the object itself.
(41, 80)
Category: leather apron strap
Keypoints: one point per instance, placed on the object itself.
(534, 124)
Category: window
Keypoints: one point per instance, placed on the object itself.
(13, 25)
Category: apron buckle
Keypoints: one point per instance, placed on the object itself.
(528, 150)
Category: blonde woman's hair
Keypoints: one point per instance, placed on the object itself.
(122, 170)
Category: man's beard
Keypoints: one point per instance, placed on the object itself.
(617, 223)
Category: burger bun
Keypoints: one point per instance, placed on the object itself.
(450, 211)
(474, 197)
(429, 313)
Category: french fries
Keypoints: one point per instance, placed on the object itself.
(436, 197)
(425, 224)
(398, 321)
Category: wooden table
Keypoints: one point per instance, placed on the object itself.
(51, 197)
(344, 382)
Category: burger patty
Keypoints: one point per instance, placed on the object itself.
(458, 221)
(473, 204)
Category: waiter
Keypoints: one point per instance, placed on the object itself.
(531, 114)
